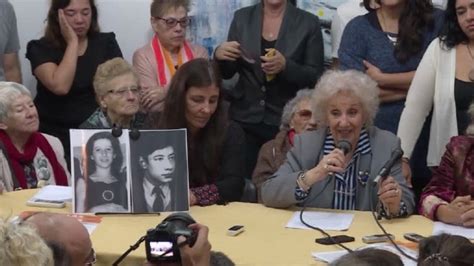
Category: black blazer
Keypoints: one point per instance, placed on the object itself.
(299, 40)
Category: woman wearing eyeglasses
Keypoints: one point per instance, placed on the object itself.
(157, 61)
(64, 61)
(297, 118)
(117, 93)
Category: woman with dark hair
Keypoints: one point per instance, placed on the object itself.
(64, 61)
(216, 157)
(387, 43)
(446, 250)
(103, 188)
(444, 82)
(160, 176)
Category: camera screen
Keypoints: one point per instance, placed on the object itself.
(158, 248)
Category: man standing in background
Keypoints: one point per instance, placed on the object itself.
(9, 44)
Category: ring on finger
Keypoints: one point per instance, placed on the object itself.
(326, 166)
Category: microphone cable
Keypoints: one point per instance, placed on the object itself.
(317, 228)
(397, 247)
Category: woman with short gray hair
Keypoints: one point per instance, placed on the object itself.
(27, 157)
(336, 165)
(297, 117)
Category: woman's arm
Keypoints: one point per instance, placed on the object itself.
(419, 100)
(58, 78)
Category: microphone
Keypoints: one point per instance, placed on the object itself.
(396, 155)
(344, 145)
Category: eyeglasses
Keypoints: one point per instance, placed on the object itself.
(123, 91)
(91, 259)
(172, 22)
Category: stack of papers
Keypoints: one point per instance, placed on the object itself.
(51, 192)
(322, 220)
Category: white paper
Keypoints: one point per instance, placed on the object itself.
(331, 256)
(322, 220)
(440, 228)
(52, 192)
(90, 227)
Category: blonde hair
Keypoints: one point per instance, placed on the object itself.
(109, 70)
(20, 244)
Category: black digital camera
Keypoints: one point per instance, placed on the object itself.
(161, 242)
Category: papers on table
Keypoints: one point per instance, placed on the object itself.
(440, 228)
(332, 256)
(51, 192)
(323, 220)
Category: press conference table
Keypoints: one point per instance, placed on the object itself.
(265, 241)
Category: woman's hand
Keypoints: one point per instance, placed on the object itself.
(334, 162)
(390, 194)
(459, 212)
(192, 199)
(274, 64)
(374, 72)
(200, 253)
(150, 97)
(228, 51)
(67, 31)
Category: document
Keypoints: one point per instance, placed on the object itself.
(52, 192)
(322, 220)
(440, 228)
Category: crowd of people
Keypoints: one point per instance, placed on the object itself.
(402, 80)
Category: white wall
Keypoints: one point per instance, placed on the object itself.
(129, 19)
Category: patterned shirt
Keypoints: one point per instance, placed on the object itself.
(346, 182)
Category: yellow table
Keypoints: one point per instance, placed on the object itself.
(265, 241)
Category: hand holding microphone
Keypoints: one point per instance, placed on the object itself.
(334, 162)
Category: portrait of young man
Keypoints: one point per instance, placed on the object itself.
(159, 170)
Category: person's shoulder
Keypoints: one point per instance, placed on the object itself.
(382, 138)
(53, 141)
(461, 142)
(359, 22)
(41, 43)
(246, 11)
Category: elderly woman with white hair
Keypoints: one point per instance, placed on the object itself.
(318, 174)
(27, 157)
(297, 117)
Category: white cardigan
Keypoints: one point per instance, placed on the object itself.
(432, 86)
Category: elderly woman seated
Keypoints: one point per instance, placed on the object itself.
(117, 93)
(297, 117)
(448, 197)
(27, 157)
(317, 174)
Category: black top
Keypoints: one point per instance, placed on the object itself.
(230, 179)
(463, 96)
(72, 109)
(99, 193)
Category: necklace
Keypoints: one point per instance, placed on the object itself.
(471, 73)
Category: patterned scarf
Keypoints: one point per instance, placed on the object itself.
(165, 65)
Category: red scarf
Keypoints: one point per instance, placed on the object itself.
(165, 71)
(291, 136)
(17, 159)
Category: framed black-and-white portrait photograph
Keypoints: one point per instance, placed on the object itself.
(159, 167)
(99, 171)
